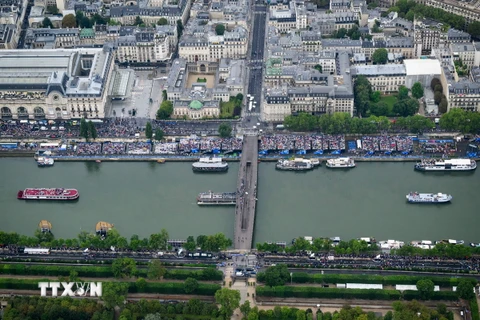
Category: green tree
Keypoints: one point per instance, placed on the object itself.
(159, 240)
(164, 95)
(124, 267)
(43, 236)
(301, 315)
(138, 21)
(153, 316)
(277, 275)
(52, 9)
(190, 285)
(190, 245)
(375, 96)
(406, 107)
(85, 23)
(362, 91)
(474, 29)
(73, 276)
(92, 131)
(437, 97)
(84, 132)
(159, 134)
(417, 90)
(245, 308)
(435, 82)
(318, 68)
(239, 97)
(340, 33)
(113, 294)
(148, 130)
(225, 130)
(443, 106)
(426, 288)
(219, 29)
(47, 23)
(380, 109)
(165, 110)
(465, 289)
(155, 270)
(141, 283)
(402, 93)
(229, 300)
(69, 21)
(162, 22)
(380, 56)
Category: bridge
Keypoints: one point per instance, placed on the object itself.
(246, 194)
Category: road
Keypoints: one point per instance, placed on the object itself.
(23, 32)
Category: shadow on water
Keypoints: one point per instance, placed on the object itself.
(448, 173)
(152, 165)
(92, 166)
(63, 202)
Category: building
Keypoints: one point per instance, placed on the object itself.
(428, 35)
(197, 89)
(55, 84)
(465, 95)
(8, 36)
(422, 70)
(384, 78)
(469, 10)
(464, 52)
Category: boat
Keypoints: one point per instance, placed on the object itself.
(340, 163)
(45, 162)
(217, 198)
(391, 244)
(296, 164)
(48, 194)
(316, 162)
(415, 197)
(450, 241)
(98, 161)
(45, 226)
(102, 228)
(368, 240)
(161, 160)
(423, 244)
(446, 165)
(210, 164)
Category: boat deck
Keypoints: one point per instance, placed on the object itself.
(50, 192)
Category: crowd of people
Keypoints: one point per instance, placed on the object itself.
(302, 142)
(85, 148)
(170, 148)
(386, 143)
(139, 148)
(111, 148)
(444, 147)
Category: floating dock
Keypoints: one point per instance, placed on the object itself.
(217, 198)
(45, 226)
(103, 227)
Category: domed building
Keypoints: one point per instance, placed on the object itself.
(196, 109)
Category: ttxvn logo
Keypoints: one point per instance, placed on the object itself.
(72, 289)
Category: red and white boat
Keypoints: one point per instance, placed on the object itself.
(48, 194)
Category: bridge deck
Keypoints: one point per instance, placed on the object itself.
(247, 194)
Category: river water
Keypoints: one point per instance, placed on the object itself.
(142, 198)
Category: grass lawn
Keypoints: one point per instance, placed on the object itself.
(200, 80)
(389, 100)
(226, 109)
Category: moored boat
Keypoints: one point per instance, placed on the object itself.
(415, 197)
(340, 163)
(45, 226)
(210, 164)
(102, 228)
(391, 244)
(45, 162)
(48, 194)
(217, 198)
(296, 164)
(446, 165)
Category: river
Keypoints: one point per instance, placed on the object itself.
(142, 198)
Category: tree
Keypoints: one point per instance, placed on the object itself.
(138, 21)
(92, 131)
(239, 97)
(214, 243)
(229, 300)
(340, 34)
(153, 316)
(164, 95)
(148, 130)
(124, 267)
(443, 106)
(85, 23)
(318, 68)
(165, 110)
(69, 21)
(380, 109)
(474, 29)
(114, 293)
(159, 134)
(84, 132)
(47, 23)
(465, 289)
(225, 130)
(245, 308)
(362, 90)
(437, 97)
(434, 83)
(140, 283)
(438, 88)
(159, 240)
(375, 96)
(277, 275)
(380, 56)
(219, 29)
(417, 90)
(155, 270)
(402, 93)
(162, 22)
(52, 9)
(406, 107)
(190, 285)
(426, 288)
(190, 245)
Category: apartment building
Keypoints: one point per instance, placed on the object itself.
(469, 10)
(465, 52)
(8, 36)
(143, 45)
(384, 78)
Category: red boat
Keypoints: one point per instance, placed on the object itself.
(48, 194)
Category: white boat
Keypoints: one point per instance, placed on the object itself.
(296, 164)
(210, 164)
(423, 244)
(446, 165)
(415, 197)
(391, 244)
(45, 162)
(340, 163)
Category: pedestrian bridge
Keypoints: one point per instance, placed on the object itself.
(246, 194)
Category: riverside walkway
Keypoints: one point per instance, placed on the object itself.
(246, 194)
